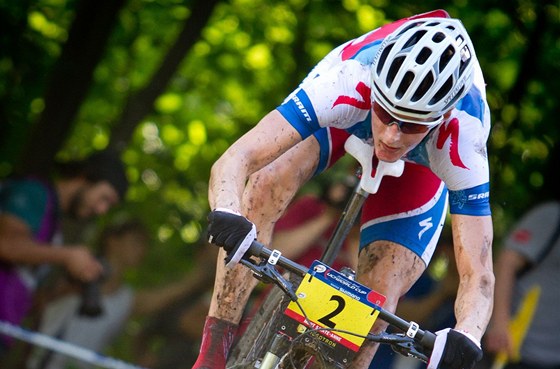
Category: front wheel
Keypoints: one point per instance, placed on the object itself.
(252, 346)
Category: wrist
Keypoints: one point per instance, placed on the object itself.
(475, 340)
(226, 210)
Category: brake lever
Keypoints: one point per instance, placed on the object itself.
(409, 349)
(267, 273)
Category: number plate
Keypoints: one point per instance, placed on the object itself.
(333, 301)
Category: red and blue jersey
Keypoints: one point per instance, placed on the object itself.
(337, 95)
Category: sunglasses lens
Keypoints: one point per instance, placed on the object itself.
(405, 127)
(382, 114)
(412, 128)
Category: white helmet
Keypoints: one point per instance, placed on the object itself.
(423, 68)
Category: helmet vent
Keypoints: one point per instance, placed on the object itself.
(393, 70)
(423, 55)
(413, 40)
(424, 86)
(438, 37)
(446, 57)
(444, 90)
(383, 57)
(410, 26)
(463, 65)
(405, 84)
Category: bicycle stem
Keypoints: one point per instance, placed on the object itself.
(344, 225)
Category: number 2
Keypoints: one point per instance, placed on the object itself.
(326, 320)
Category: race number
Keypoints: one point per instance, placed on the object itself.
(332, 301)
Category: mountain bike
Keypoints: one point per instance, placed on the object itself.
(319, 317)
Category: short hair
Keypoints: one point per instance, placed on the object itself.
(103, 165)
(119, 229)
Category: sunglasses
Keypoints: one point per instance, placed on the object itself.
(404, 127)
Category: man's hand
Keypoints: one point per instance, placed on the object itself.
(454, 350)
(81, 264)
(232, 231)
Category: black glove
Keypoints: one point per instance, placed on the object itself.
(454, 350)
(232, 231)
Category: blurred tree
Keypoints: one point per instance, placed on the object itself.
(141, 103)
(70, 79)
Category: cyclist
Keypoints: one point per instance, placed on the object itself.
(414, 90)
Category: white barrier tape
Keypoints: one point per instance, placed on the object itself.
(63, 347)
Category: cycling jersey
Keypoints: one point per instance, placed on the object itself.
(336, 95)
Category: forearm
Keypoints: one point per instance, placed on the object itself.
(473, 306)
(23, 250)
(226, 184)
(472, 238)
(257, 148)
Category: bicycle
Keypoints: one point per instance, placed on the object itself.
(298, 328)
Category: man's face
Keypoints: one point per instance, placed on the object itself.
(93, 199)
(392, 138)
(130, 248)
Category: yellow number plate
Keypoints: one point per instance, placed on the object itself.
(332, 301)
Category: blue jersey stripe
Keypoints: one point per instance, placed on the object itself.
(473, 201)
(299, 113)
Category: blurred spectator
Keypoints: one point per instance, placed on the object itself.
(430, 303)
(524, 327)
(30, 211)
(102, 308)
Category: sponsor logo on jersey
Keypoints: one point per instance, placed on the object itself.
(301, 108)
(365, 103)
(425, 224)
(451, 131)
(478, 196)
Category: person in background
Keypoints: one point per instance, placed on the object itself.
(31, 209)
(523, 331)
(102, 308)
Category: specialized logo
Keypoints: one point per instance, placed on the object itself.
(426, 224)
(364, 91)
(451, 130)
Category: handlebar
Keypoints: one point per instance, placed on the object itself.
(425, 338)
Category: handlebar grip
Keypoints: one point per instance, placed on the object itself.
(259, 250)
(428, 340)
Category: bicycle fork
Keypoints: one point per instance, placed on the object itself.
(280, 345)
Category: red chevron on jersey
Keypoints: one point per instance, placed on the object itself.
(364, 104)
(451, 130)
